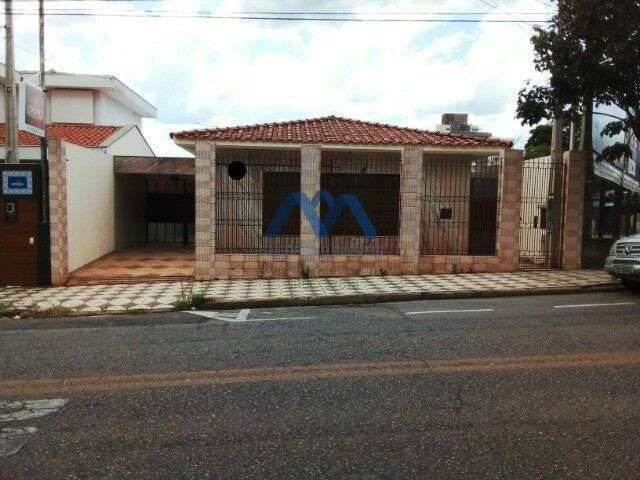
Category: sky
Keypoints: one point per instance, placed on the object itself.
(206, 72)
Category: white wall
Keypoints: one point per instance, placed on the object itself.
(2, 117)
(26, 153)
(131, 143)
(71, 106)
(90, 200)
(68, 105)
(109, 112)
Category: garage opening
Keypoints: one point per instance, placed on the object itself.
(170, 210)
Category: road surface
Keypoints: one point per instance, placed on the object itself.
(522, 387)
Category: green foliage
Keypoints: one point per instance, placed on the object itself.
(5, 309)
(539, 143)
(52, 312)
(536, 151)
(188, 299)
(591, 51)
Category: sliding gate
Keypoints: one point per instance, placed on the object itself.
(542, 213)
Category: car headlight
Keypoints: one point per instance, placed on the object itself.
(612, 251)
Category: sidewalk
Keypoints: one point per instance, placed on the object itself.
(153, 297)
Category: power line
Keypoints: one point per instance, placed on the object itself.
(292, 13)
(283, 18)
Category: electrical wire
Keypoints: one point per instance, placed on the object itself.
(282, 18)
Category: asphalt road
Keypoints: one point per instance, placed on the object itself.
(522, 387)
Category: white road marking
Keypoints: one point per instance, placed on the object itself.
(591, 305)
(27, 409)
(13, 439)
(474, 310)
(276, 318)
(241, 317)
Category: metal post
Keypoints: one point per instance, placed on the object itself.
(572, 136)
(12, 155)
(556, 191)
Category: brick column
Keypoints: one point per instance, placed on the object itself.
(410, 189)
(58, 212)
(573, 210)
(310, 157)
(508, 235)
(205, 229)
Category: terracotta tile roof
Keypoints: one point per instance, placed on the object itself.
(79, 134)
(338, 130)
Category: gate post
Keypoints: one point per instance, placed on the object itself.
(58, 224)
(508, 235)
(205, 193)
(410, 189)
(574, 209)
(310, 173)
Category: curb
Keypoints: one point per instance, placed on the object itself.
(403, 297)
(211, 304)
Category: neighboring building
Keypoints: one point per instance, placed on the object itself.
(93, 111)
(615, 203)
(459, 123)
(91, 121)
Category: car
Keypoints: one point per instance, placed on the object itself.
(623, 262)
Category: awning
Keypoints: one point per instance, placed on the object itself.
(609, 172)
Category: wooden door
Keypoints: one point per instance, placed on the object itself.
(19, 190)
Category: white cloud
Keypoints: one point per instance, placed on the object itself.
(234, 72)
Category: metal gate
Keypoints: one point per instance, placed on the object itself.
(542, 214)
(170, 210)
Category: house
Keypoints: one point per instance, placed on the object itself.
(436, 202)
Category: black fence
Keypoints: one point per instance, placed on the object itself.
(460, 205)
(170, 210)
(251, 184)
(365, 187)
(542, 211)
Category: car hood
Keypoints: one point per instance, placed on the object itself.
(632, 238)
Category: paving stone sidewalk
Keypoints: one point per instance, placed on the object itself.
(96, 299)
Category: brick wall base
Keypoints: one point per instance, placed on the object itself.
(251, 267)
(461, 264)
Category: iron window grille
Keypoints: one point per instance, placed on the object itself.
(373, 178)
(460, 204)
(247, 198)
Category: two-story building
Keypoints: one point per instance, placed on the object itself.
(95, 120)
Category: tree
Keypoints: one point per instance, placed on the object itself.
(539, 143)
(591, 50)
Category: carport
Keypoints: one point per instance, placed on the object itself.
(154, 223)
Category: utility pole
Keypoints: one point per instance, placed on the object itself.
(10, 87)
(44, 230)
(43, 140)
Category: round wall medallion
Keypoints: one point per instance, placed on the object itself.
(237, 170)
